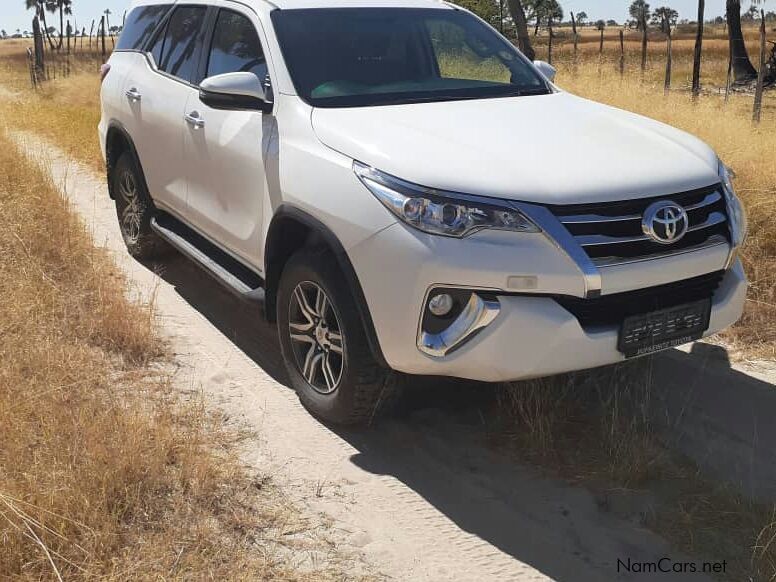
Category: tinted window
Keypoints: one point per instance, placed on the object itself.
(182, 39)
(236, 47)
(156, 47)
(349, 57)
(140, 25)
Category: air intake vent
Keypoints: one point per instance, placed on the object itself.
(610, 310)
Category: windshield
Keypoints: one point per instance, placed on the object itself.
(352, 57)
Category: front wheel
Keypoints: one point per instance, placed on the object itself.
(324, 344)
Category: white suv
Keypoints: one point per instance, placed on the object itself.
(405, 191)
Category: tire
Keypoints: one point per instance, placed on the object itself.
(134, 209)
(356, 388)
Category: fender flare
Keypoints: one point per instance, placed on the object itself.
(273, 270)
(117, 126)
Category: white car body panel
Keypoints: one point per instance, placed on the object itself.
(156, 125)
(550, 149)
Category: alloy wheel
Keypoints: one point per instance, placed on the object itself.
(132, 213)
(316, 337)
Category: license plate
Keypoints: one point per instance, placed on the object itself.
(667, 328)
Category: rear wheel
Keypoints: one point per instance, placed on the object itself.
(134, 209)
(324, 344)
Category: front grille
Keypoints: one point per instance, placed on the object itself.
(609, 310)
(611, 232)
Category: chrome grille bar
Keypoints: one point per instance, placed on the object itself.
(714, 219)
(710, 199)
(611, 233)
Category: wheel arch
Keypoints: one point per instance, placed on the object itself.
(118, 142)
(292, 229)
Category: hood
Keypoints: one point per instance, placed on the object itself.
(551, 149)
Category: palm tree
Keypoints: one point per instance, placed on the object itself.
(64, 7)
(743, 70)
(40, 7)
(640, 12)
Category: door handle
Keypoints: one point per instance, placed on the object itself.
(194, 120)
(134, 95)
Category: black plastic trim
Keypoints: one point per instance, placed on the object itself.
(117, 126)
(233, 102)
(273, 271)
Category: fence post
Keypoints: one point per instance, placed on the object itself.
(758, 94)
(729, 81)
(549, 44)
(67, 55)
(574, 32)
(643, 43)
(669, 56)
(38, 47)
(91, 32)
(31, 67)
(622, 52)
(601, 45)
(102, 38)
(696, 66)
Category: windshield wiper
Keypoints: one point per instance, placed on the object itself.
(458, 97)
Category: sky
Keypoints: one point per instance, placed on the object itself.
(13, 15)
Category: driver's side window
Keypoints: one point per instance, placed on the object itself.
(236, 47)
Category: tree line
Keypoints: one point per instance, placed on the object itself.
(526, 17)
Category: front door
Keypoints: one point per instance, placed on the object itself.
(224, 149)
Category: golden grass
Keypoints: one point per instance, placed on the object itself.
(105, 472)
(715, 52)
(595, 429)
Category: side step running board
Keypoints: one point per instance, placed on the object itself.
(227, 270)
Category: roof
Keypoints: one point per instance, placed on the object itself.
(292, 4)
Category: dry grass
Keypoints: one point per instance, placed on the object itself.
(595, 429)
(104, 471)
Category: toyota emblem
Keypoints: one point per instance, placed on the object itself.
(665, 222)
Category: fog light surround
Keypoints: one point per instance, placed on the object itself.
(469, 314)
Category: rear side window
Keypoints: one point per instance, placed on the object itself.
(236, 47)
(179, 49)
(140, 25)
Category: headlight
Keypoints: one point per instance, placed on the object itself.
(441, 213)
(738, 224)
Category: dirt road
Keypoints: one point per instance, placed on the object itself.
(419, 497)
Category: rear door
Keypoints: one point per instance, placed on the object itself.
(224, 156)
(156, 91)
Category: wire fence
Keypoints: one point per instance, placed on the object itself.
(53, 57)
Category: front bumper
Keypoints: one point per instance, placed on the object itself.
(532, 336)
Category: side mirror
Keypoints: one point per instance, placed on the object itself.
(546, 69)
(234, 91)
